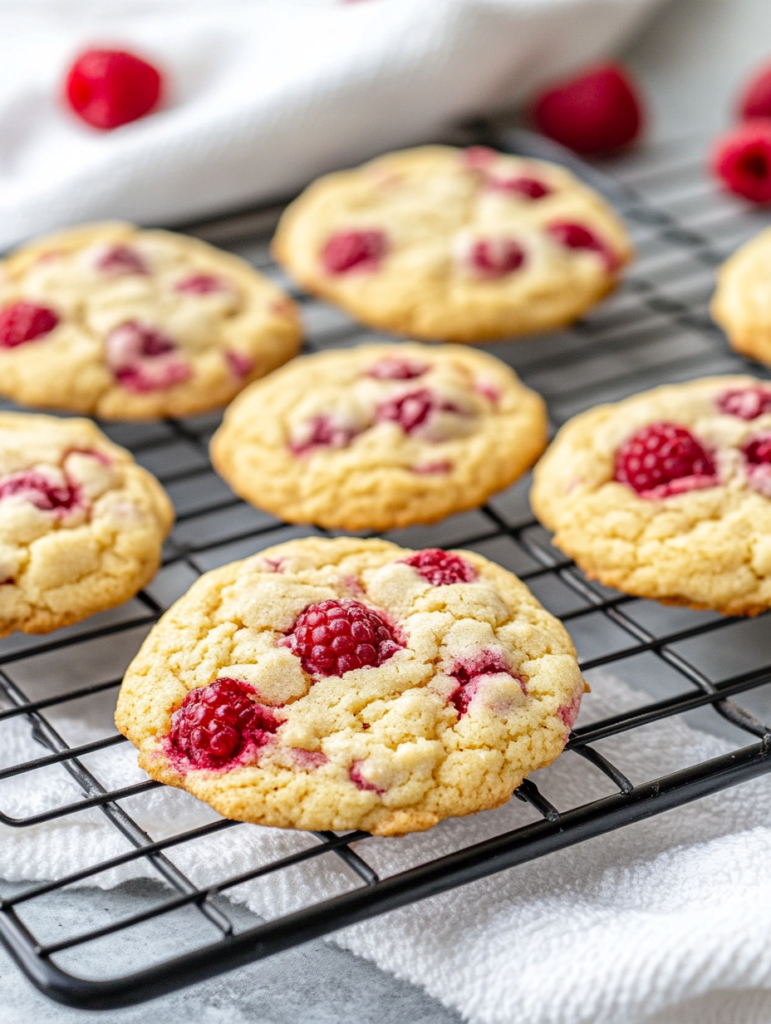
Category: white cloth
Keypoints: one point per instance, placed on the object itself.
(263, 95)
(640, 925)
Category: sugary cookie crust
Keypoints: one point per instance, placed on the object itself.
(228, 325)
(709, 548)
(81, 525)
(742, 301)
(433, 204)
(381, 748)
(373, 473)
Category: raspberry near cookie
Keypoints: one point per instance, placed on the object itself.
(454, 245)
(127, 324)
(81, 525)
(380, 436)
(667, 495)
(343, 684)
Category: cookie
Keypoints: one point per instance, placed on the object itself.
(380, 436)
(344, 684)
(81, 525)
(667, 495)
(455, 245)
(120, 323)
(742, 301)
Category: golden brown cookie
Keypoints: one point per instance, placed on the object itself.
(343, 684)
(742, 301)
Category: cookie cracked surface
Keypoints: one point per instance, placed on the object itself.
(456, 245)
(116, 322)
(667, 494)
(81, 525)
(457, 685)
(380, 436)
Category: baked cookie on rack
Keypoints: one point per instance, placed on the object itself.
(380, 436)
(667, 495)
(81, 525)
(116, 322)
(454, 244)
(742, 301)
(344, 684)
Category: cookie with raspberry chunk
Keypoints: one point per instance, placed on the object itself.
(81, 525)
(667, 495)
(742, 301)
(346, 684)
(454, 244)
(380, 436)
(120, 323)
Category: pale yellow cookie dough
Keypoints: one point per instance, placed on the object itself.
(432, 205)
(742, 301)
(225, 324)
(382, 748)
(81, 525)
(482, 430)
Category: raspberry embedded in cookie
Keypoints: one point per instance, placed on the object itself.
(356, 777)
(577, 236)
(219, 724)
(321, 431)
(745, 403)
(663, 459)
(43, 493)
(492, 257)
(201, 284)
(441, 568)
(25, 321)
(143, 358)
(412, 411)
(240, 364)
(523, 186)
(757, 452)
(121, 259)
(478, 158)
(362, 251)
(470, 672)
(396, 368)
(335, 637)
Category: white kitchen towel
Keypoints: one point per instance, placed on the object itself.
(641, 925)
(264, 95)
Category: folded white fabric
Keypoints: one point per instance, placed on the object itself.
(641, 925)
(263, 95)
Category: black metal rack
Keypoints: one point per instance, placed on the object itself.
(656, 328)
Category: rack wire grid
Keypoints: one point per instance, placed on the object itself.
(710, 669)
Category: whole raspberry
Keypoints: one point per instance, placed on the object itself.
(745, 403)
(656, 457)
(218, 723)
(441, 568)
(41, 492)
(395, 368)
(411, 411)
(741, 159)
(495, 257)
(354, 250)
(108, 88)
(599, 111)
(527, 188)
(468, 674)
(757, 450)
(200, 284)
(335, 637)
(577, 236)
(321, 432)
(121, 259)
(25, 321)
(755, 99)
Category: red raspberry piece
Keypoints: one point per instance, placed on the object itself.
(495, 257)
(219, 723)
(745, 403)
(40, 491)
(359, 781)
(598, 111)
(470, 672)
(577, 236)
(108, 88)
(663, 459)
(24, 321)
(412, 410)
(240, 364)
(323, 432)
(432, 468)
(755, 100)
(121, 259)
(741, 159)
(528, 188)
(354, 250)
(394, 368)
(441, 568)
(200, 284)
(478, 158)
(335, 637)
(143, 358)
(757, 450)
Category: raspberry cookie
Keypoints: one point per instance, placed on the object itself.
(127, 324)
(81, 525)
(380, 436)
(460, 245)
(742, 301)
(667, 495)
(342, 684)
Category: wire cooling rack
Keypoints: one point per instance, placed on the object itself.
(709, 669)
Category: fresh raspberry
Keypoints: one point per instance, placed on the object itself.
(411, 411)
(39, 491)
(495, 257)
(599, 111)
(757, 450)
(108, 88)
(741, 159)
(745, 403)
(577, 236)
(24, 321)
(755, 100)
(441, 568)
(121, 259)
(240, 364)
(394, 368)
(468, 674)
(335, 637)
(321, 432)
(200, 284)
(663, 459)
(219, 723)
(354, 250)
(527, 188)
